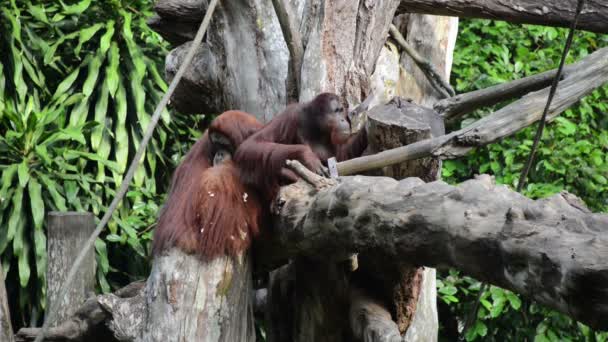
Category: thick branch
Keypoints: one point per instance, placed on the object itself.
(84, 321)
(583, 77)
(549, 13)
(550, 250)
(454, 107)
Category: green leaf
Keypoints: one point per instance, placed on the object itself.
(100, 117)
(514, 300)
(72, 154)
(86, 35)
(70, 133)
(76, 8)
(15, 220)
(38, 12)
(40, 252)
(36, 203)
(66, 84)
(22, 250)
(7, 179)
(112, 72)
(24, 173)
(104, 42)
(51, 187)
(50, 53)
(79, 114)
(102, 255)
(113, 238)
(93, 73)
(121, 135)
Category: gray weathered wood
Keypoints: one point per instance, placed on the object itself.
(6, 327)
(89, 321)
(242, 64)
(549, 13)
(176, 32)
(453, 107)
(66, 233)
(585, 76)
(370, 320)
(182, 10)
(187, 299)
(399, 123)
(550, 250)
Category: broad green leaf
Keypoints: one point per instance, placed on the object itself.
(37, 78)
(104, 42)
(92, 75)
(36, 203)
(514, 300)
(101, 108)
(102, 255)
(79, 114)
(40, 252)
(65, 85)
(70, 133)
(121, 135)
(22, 250)
(15, 220)
(112, 71)
(85, 35)
(76, 154)
(7, 179)
(18, 80)
(24, 173)
(76, 8)
(38, 12)
(50, 53)
(51, 187)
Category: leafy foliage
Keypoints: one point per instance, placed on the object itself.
(77, 81)
(572, 156)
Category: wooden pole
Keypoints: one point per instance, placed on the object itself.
(67, 233)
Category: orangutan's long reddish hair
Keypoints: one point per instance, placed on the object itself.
(209, 211)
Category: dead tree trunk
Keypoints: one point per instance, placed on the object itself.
(6, 328)
(190, 300)
(66, 233)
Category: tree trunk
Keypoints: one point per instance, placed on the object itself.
(6, 328)
(65, 234)
(191, 300)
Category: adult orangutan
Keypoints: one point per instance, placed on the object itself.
(209, 212)
(311, 133)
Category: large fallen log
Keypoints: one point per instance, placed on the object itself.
(551, 250)
(549, 13)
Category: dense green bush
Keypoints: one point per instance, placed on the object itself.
(78, 80)
(572, 156)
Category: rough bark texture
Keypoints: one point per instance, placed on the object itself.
(6, 328)
(392, 125)
(453, 107)
(551, 250)
(241, 65)
(89, 322)
(191, 300)
(549, 13)
(66, 233)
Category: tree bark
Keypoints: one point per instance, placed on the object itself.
(66, 232)
(551, 250)
(191, 300)
(549, 13)
(6, 327)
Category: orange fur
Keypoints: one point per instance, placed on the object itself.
(209, 211)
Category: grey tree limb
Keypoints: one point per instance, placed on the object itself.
(6, 328)
(434, 77)
(293, 38)
(551, 250)
(454, 107)
(548, 13)
(583, 77)
(83, 323)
